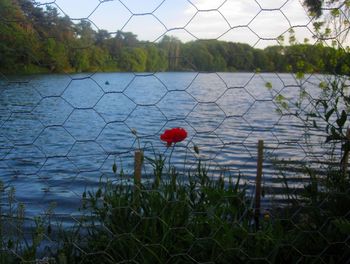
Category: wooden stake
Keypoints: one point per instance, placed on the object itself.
(345, 160)
(138, 167)
(258, 181)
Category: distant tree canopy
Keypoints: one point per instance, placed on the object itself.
(314, 6)
(34, 39)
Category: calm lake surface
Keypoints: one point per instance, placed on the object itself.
(59, 134)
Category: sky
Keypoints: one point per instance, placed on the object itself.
(256, 22)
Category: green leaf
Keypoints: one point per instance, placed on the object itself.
(303, 94)
(49, 229)
(322, 85)
(10, 244)
(280, 98)
(284, 105)
(312, 115)
(341, 121)
(278, 111)
(98, 193)
(299, 75)
(114, 168)
(328, 114)
(335, 12)
(334, 135)
(343, 225)
(268, 85)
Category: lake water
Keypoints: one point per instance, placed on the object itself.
(60, 133)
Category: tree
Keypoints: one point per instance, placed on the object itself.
(314, 6)
(133, 59)
(101, 37)
(327, 111)
(171, 46)
(260, 60)
(57, 58)
(156, 58)
(85, 33)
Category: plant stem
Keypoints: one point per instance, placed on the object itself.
(171, 153)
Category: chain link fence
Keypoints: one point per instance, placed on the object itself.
(64, 134)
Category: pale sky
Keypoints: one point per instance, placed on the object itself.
(256, 22)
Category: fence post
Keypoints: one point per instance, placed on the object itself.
(258, 182)
(137, 179)
(345, 159)
(137, 167)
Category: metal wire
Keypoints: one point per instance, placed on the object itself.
(53, 153)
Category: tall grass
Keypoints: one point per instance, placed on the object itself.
(202, 220)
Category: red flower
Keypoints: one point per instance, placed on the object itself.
(173, 135)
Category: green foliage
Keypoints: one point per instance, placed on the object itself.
(268, 85)
(133, 59)
(167, 213)
(314, 6)
(19, 241)
(323, 202)
(38, 39)
(201, 220)
(156, 59)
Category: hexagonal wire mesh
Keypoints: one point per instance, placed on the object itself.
(60, 133)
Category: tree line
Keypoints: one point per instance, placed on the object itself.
(35, 39)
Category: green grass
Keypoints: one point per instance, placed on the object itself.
(202, 220)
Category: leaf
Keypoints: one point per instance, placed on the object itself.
(333, 132)
(328, 114)
(278, 111)
(334, 135)
(114, 168)
(98, 193)
(341, 121)
(49, 229)
(312, 115)
(299, 75)
(325, 105)
(10, 244)
(303, 94)
(335, 12)
(343, 225)
(268, 85)
(322, 85)
(284, 105)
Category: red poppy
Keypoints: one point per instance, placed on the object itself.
(173, 135)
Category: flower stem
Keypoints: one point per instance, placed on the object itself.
(171, 153)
